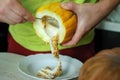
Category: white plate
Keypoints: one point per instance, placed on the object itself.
(30, 65)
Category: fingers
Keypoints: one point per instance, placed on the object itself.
(70, 6)
(79, 31)
(15, 18)
(76, 37)
(22, 12)
(12, 12)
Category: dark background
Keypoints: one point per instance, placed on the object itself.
(3, 37)
(103, 39)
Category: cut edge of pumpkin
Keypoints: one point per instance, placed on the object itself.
(39, 26)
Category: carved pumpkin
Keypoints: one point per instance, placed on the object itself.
(54, 20)
(104, 66)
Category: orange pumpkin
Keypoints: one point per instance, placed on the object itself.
(54, 20)
(116, 50)
(113, 52)
(104, 66)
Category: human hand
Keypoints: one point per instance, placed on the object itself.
(88, 15)
(12, 12)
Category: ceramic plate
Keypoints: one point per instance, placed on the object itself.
(30, 65)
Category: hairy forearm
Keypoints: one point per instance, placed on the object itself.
(106, 6)
(109, 3)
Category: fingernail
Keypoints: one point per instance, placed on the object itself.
(28, 18)
(32, 19)
(64, 5)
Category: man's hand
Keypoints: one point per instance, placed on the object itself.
(88, 16)
(12, 12)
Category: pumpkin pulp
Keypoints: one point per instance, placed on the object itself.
(51, 28)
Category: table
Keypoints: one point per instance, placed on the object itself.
(9, 67)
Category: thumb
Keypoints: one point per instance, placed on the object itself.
(69, 6)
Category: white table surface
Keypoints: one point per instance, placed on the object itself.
(9, 67)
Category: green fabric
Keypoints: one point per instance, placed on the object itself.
(25, 35)
(92, 1)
